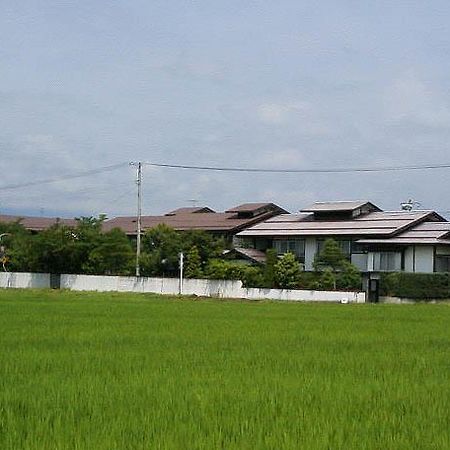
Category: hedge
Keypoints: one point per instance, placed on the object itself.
(415, 285)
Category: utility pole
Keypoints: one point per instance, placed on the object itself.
(138, 215)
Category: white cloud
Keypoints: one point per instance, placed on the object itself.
(276, 113)
(409, 98)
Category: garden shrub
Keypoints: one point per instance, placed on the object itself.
(415, 285)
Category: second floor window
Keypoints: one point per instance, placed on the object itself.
(295, 246)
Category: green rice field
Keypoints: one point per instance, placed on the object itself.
(129, 371)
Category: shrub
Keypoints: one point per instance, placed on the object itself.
(287, 272)
(415, 285)
(349, 278)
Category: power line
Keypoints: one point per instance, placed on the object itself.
(63, 177)
(327, 170)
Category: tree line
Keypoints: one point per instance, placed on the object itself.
(86, 249)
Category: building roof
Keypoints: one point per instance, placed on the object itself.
(376, 224)
(250, 254)
(190, 210)
(340, 206)
(226, 222)
(423, 233)
(251, 207)
(37, 223)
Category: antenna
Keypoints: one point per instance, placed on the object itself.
(409, 205)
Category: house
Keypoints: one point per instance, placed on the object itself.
(374, 240)
(36, 224)
(225, 224)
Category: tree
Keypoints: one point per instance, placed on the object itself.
(287, 271)
(336, 270)
(207, 245)
(269, 268)
(17, 243)
(160, 249)
(57, 250)
(349, 278)
(327, 280)
(193, 263)
(331, 257)
(112, 255)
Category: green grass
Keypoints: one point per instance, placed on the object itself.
(123, 371)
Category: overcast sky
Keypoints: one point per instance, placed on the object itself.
(285, 84)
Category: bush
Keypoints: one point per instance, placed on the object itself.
(349, 278)
(287, 271)
(415, 285)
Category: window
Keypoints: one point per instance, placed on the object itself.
(442, 263)
(295, 246)
(387, 261)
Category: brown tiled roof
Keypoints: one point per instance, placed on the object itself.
(423, 233)
(251, 254)
(226, 222)
(371, 224)
(251, 207)
(341, 206)
(37, 223)
(190, 210)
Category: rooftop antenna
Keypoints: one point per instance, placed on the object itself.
(409, 205)
(194, 202)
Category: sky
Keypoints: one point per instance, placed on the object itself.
(288, 85)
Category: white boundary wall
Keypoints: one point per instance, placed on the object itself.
(24, 280)
(199, 287)
(202, 288)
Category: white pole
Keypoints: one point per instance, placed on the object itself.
(180, 287)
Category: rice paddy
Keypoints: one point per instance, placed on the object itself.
(128, 371)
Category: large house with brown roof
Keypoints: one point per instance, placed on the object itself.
(374, 240)
(225, 224)
(36, 224)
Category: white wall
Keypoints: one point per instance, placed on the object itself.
(24, 280)
(202, 288)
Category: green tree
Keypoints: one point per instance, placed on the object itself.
(269, 268)
(57, 250)
(331, 257)
(207, 245)
(327, 280)
(160, 249)
(193, 267)
(112, 255)
(349, 278)
(287, 271)
(336, 270)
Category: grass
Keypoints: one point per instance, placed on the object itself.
(128, 371)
